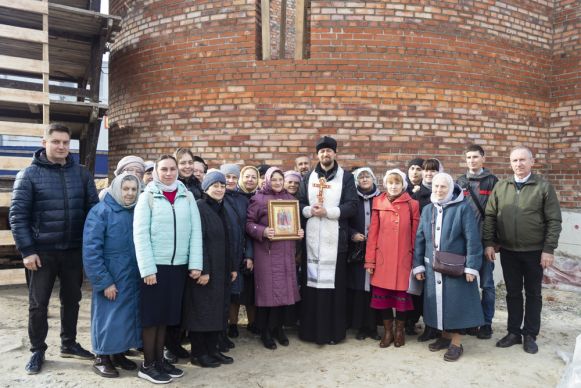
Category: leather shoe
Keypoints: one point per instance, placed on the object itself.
(361, 334)
(509, 340)
(428, 334)
(267, 340)
(76, 351)
(221, 358)
(453, 353)
(34, 365)
(205, 361)
(485, 332)
(123, 362)
(530, 345)
(104, 367)
(439, 344)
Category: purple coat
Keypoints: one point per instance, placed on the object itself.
(275, 279)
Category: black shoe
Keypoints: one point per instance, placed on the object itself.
(169, 356)
(76, 351)
(453, 353)
(439, 344)
(361, 334)
(253, 329)
(123, 362)
(233, 331)
(509, 340)
(170, 369)
(34, 365)
(410, 328)
(180, 352)
(104, 367)
(225, 343)
(281, 337)
(221, 358)
(153, 374)
(530, 345)
(485, 332)
(429, 334)
(373, 335)
(267, 340)
(205, 361)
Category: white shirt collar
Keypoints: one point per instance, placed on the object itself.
(523, 180)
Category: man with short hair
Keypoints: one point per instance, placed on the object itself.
(303, 165)
(477, 184)
(414, 175)
(523, 218)
(50, 201)
(328, 198)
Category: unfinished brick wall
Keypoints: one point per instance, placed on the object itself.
(390, 80)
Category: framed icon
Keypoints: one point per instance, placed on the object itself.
(283, 217)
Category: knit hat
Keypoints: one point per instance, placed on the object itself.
(129, 161)
(211, 178)
(292, 175)
(416, 162)
(398, 172)
(230, 169)
(327, 142)
(262, 168)
(149, 165)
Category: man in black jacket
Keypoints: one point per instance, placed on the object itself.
(50, 201)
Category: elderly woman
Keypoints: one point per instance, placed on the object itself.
(274, 264)
(360, 315)
(110, 264)
(451, 304)
(206, 298)
(168, 244)
(430, 168)
(394, 221)
(292, 181)
(243, 287)
(131, 164)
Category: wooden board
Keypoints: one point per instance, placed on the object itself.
(12, 163)
(35, 6)
(22, 64)
(6, 238)
(23, 96)
(12, 276)
(21, 129)
(25, 34)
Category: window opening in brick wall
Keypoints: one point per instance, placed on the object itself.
(283, 26)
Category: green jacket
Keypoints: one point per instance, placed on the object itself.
(525, 220)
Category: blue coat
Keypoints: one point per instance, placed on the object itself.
(109, 258)
(450, 302)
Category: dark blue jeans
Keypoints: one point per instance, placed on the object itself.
(523, 269)
(68, 267)
(488, 290)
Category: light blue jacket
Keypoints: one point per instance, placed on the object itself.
(166, 234)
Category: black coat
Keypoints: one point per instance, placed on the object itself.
(240, 245)
(49, 205)
(422, 196)
(205, 307)
(194, 185)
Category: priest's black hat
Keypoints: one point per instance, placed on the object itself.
(327, 142)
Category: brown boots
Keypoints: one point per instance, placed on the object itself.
(388, 334)
(399, 333)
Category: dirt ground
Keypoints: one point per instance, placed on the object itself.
(350, 364)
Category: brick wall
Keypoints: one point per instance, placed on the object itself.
(390, 80)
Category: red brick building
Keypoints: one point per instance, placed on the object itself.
(389, 79)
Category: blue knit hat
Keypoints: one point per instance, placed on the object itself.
(211, 178)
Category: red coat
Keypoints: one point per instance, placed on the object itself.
(390, 241)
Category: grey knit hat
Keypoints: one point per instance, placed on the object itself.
(230, 169)
(211, 178)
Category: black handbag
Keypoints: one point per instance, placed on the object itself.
(446, 263)
(356, 252)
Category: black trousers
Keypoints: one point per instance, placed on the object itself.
(204, 342)
(523, 268)
(68, 267)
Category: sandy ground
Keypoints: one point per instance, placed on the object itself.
(350, 364)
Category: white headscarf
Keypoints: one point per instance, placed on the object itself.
(398, 172)
(450, 181)
(163, 187)
(116, 189)
(364, 169)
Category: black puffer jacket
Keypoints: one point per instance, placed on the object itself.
(194, 185)
(49, 205)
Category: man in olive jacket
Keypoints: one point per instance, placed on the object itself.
(523, 219)
(50, 201)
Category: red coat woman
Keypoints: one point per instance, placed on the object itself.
(390, 243)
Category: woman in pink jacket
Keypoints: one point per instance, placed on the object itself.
(390, 244)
